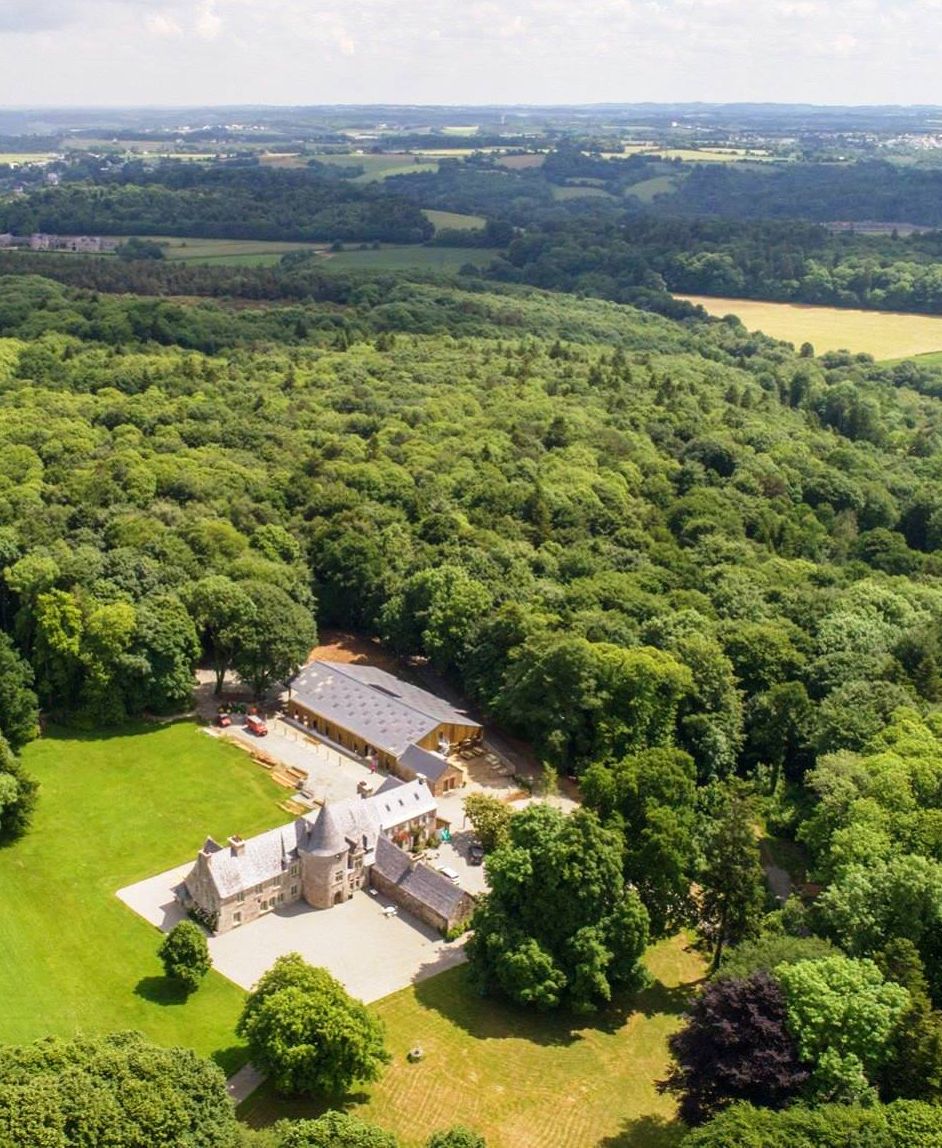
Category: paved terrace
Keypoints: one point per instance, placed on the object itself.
(371, 954)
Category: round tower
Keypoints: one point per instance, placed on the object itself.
(324, 862)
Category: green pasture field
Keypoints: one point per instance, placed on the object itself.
(523, 1080)
(405, 256)
(239, 252)
(581, 193)
(453, 220)
(883, 334)
(647, 189)
(113, 809)
(381, 166)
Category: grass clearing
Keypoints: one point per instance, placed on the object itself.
(247, 252)
(581, 192)
(883, 334)
(647, 189)
(115, 808)
(406, 256)
(380, 166)
(453, 220)
(524, 1080)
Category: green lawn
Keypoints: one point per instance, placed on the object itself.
(524, 1080)
(113, 810)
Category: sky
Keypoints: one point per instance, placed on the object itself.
(180, 52)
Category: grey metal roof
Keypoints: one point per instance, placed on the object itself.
(371, 704)
(422, 761)
(419, 881)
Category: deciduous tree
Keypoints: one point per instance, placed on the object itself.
(307, 1033)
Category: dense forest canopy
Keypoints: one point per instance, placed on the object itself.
(232, 202)
(560, 503)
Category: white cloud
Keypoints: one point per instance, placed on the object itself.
(452, 51)
(208, 23)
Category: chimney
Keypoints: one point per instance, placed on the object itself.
(236, 845)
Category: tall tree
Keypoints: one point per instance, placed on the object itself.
(18, 795)
(116, 1089)
(735, 1045)
(19, 713)
(307, 1033)
(221, 609)
(732, 881)
(558, 926)
(276, 642)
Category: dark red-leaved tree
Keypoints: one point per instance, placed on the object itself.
(735, 1046)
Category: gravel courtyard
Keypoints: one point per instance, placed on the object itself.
(371, 954)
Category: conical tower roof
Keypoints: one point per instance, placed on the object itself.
(327, 834)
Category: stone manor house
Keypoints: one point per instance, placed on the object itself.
(324, 857)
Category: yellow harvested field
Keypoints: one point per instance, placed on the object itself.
(18, 157)
(883, 334)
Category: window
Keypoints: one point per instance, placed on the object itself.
(294, 890)
(237, 918)
(241, 897)
(295, 869)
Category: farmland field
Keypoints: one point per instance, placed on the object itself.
(519, 162)
(453, 220)
(523, 1080)
(580, 193)
(390, 258)
(25, 156)
(115, 808)
(381, 166)
(250, 252)
(883, 334)
(647, 189)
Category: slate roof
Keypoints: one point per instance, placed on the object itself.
(423, 762)
(340, 822)
(395, 804)
(373, 705)
(440, 894)
(326, 831)
(263, 857)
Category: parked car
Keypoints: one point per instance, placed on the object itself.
(255, 724)
(449, 873)
(223, 720)
(476, 854)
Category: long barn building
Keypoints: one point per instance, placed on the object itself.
(401, 727)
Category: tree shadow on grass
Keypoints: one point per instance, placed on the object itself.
(453, 996)
(230, 1059)
(264, 1106)
(659, 999)
(161, 990)
(647, 1132)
